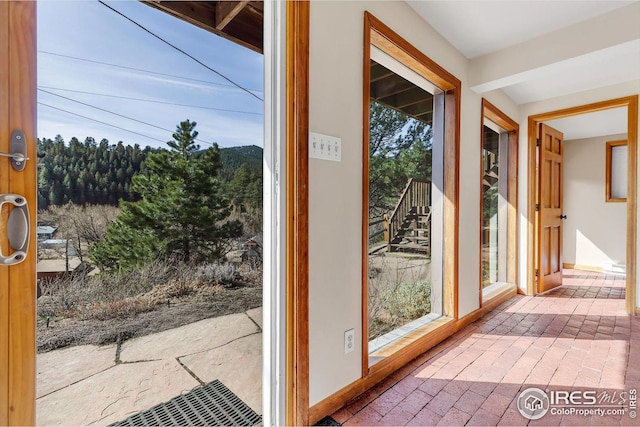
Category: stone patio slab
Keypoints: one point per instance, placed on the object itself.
(256, 315)
(115, 394)
(238, 365)
(58, 369)
(196, 337)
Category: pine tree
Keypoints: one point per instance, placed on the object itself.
(399, 149)
(182, 207)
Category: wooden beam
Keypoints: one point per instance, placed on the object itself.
(418, 109)
(378, 72)
(226, 11)
(406, 99)
(389, 86)
(203, 14)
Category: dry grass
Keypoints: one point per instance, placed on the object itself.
(159, 296)
(395, 302)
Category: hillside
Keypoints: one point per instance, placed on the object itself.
(233, 157)
(93, 172)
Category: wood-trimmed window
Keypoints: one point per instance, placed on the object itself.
(616, 171)
(381, 38)
(498, 202)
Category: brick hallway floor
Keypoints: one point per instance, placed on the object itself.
(576, 337)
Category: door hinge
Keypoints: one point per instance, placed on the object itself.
(538, 142)
(537, 207)
(537, 273)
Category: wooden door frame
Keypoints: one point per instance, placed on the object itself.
(297, 213)
(18, 282)
(631, 103)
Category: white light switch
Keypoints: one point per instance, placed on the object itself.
(325, 147)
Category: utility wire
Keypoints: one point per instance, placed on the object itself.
(180, 50)
(98, 121)
(149, 100)
(140, 69)
(116, 114)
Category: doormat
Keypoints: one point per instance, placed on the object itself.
(328, 421)
(211, 405)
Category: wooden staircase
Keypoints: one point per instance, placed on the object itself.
(408, 228)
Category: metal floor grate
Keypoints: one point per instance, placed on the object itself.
(211, 405)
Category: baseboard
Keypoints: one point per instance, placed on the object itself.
(593, 268)
(399, 360)
(379, 372)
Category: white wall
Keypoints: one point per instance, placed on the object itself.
(526, 110)
(595, 231)
(335, 189)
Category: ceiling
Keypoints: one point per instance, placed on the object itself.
(487, 26)
(616, 64)
(537, 50)
(601, 123)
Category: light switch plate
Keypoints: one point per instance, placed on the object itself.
(325, 147)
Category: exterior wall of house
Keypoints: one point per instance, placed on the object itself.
(601, 94)
(595, 231)
(335, 189)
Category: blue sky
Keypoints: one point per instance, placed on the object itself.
(88, 30)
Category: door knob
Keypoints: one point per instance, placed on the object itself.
(563, 217)
(18, 153)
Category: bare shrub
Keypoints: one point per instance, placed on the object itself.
(226, 275)
(409, 301)
(82, 225)
(122, 294)
(395, 298)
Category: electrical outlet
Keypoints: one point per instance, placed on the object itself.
(325, 147)
(349, 341)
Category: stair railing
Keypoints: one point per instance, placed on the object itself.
(415, 194)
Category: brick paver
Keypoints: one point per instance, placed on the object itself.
(575, 337)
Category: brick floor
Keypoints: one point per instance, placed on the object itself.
(574, 338)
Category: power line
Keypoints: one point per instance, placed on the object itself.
(116, 114)
(141, 70)
(98, 121)
(179, 50)
(150, 100)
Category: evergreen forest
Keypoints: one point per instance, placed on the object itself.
(100, 173)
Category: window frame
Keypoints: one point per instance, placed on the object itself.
(609, 169)
(495, 115)
(384, 38)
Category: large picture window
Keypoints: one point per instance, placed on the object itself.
(410, 149)
(499, 157)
